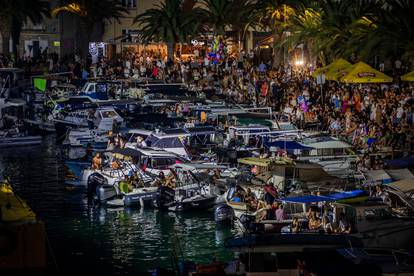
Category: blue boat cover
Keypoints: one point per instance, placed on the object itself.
(307, 199)
(345, 195)
(330, 197)
(289, 145)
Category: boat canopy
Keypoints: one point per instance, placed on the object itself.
(198, 166)
(333, 144)
(307, 199)
(264, 162)
(127, 152)
(140, 132)
(378, 176)
(201, 130)
(254, 121)
(331, 197)
(289, 145)
(400, 174)
(406, 185)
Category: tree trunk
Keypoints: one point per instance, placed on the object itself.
(5, 42)
(5, 30)
(277, 49)
(170, 50)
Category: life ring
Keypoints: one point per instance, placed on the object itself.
(8, 242)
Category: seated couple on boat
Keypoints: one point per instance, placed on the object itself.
(247, 197)
(130, 182)
(322, 225)
(274, 211)
(169, 180)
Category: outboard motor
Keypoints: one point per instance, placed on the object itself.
(224, 215)
(165, 197)
(94, 180)
(248, 222)
(105, 192)
(98, 186)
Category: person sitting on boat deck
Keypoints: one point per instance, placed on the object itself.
(125, 185)
(115, 164)
(250, 199)
(379, 193)
(270, 212)
(343, 226)
(141, 142)
(327, 225)
(296, 226)
(270, 193)
(215, 177)
(280, 213)
(170, 180)
(97, 162)
(314, 222)
(239, 195)
(121, 142)
(160, 180)
(135, 180)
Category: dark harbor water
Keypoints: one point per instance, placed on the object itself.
(85, 239)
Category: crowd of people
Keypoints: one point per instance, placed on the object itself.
(373, 118)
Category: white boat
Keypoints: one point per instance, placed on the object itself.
(104, 119)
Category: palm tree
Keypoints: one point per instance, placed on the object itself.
(245, 14)
(92, 14)
(333, 29)
(217, 14)
(394, 32)
(172, 22)
(275, 13)
(14, 14)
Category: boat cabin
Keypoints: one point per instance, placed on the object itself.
(105, 117)
(171, 140)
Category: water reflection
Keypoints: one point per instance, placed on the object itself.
(90, 238)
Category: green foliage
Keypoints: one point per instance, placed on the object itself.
(172, 21)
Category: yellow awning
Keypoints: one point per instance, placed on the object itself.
(331, 70)
(363, 73)
(320, 71)
(337, 69)
(408, 77)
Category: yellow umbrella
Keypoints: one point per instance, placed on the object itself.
(321, 71)
(337, 68)
(408, 77)
(363, 73)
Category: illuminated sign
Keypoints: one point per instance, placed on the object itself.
(366, 74)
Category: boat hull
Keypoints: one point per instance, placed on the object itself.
(20, 141)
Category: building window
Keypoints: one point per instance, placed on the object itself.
(126, 37)
(129, 3)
